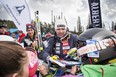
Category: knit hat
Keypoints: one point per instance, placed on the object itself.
(29, 26)
(20, 31)
(59, 23)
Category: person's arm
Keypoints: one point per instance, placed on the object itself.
(44, 71)
(48, 50)
(72, 72)
(74, 40)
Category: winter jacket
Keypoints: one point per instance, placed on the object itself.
(58, 47)
(21, 37)
(27, 41)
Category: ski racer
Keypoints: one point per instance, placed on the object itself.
(60, 43)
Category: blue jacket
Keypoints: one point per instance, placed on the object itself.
(56, 47)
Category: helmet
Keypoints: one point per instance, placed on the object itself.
(98, 34)
(93, 33)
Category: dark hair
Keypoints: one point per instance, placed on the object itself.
(3, 25)
(20, 31)
(32, 27)
(12, 58)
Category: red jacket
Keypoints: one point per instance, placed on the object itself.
(21, 37)
(6, 33)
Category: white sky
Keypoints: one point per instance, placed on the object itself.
(71, 10)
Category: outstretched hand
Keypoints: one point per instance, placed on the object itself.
(43, 70)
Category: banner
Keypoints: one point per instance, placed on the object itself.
(95, 12)
(18, 11)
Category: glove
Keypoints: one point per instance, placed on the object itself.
(71, 52)
(55, 57)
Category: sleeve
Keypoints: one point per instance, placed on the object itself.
(22, 40)
(75, 40)
(48, 50)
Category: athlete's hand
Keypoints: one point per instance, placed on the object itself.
(55, 57)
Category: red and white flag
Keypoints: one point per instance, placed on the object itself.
(18, 11)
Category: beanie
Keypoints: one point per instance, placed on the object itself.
(20, 31)
(59, 23)
(29, 26)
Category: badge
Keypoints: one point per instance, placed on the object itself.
(57, 44)
(57, 52)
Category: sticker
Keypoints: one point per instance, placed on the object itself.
(65, 44)
(57, 52)
(95, 53)
(57, 48)
(57, 44)
(66, 47)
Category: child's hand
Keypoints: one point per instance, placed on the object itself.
(42, 70)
